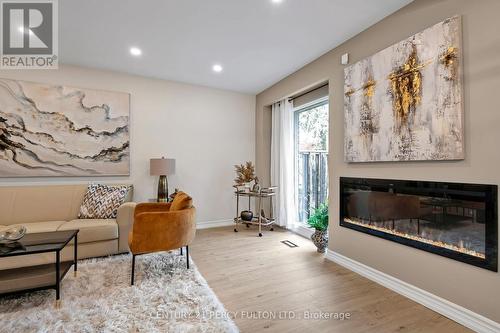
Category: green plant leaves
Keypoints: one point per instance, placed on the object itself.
(319, 219)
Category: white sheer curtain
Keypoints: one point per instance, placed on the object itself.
(282, 163)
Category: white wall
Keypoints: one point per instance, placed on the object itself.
(206, 130)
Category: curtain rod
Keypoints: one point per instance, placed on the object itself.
(307, 92)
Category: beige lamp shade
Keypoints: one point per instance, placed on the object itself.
(161, 166)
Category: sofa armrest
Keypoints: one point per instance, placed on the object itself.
(125, 220)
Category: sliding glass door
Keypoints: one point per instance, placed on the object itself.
(311, 157)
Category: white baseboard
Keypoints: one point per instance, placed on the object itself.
(455, 312)
(214, 224)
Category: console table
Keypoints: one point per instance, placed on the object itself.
(443, 205)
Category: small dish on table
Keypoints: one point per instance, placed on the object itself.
(12, 235)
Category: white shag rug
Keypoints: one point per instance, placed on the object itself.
(166, 297)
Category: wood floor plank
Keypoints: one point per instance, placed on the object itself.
(257, 277)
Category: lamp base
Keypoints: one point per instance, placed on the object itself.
(163, 189)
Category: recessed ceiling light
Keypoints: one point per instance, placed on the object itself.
(277, 1)
(135, 51)
(217, 68)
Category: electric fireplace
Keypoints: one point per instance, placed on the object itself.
(458, 221)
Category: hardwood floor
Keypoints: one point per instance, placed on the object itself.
(258, 277)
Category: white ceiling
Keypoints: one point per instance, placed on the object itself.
(256, 41)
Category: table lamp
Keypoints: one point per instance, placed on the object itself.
(162, 167)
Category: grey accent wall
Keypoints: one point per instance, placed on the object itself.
(310, 96)
(474, 288)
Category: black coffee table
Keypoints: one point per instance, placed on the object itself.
(31, 278)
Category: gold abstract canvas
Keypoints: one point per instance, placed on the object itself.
(405, 102)
(51, 130)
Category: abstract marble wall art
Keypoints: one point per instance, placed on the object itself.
(49, 130)
(405, 102)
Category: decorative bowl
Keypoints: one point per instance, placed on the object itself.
(12, 234)
(246, 215)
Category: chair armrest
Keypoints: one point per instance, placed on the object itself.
(149, 207)
(162, 231)
(125, 220)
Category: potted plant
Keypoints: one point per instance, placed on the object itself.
(245, 175)
(319, 221)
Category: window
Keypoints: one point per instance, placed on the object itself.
(311, 157)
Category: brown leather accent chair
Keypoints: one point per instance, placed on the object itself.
(162, 227)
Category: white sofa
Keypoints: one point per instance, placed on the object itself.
(56, 207)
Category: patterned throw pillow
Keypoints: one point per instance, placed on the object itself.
(102, 201)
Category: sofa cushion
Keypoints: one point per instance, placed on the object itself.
(102, 201)
(85, 250)
(36, 227)
(92, 230)
(181, 201)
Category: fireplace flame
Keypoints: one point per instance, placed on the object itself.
(458, 248)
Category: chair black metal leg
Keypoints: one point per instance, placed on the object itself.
(181, 250)
(187, 256)
(133, 269)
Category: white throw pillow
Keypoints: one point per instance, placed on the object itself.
(102, 201)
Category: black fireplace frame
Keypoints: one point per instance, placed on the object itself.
(437, 189)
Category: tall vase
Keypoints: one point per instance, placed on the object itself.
(320, 239)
